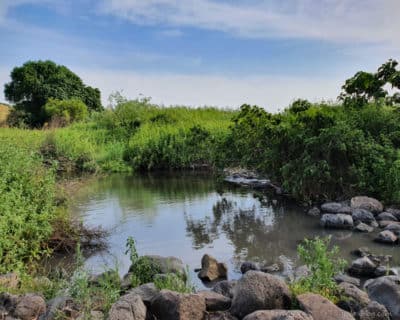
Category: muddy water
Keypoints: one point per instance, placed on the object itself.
(188, 215)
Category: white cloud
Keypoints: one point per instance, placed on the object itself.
(273, 93)
(333, 20)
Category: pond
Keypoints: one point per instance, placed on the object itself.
(187, 215)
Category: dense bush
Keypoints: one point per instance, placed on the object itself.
(321, 151)
(65, 111)
(27, 207)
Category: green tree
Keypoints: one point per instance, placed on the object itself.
(34, 83)
(66, 111)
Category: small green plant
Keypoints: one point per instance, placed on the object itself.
(323, 265)
(175, 282)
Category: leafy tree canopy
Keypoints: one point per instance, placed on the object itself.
(34, 83)
(366, 87)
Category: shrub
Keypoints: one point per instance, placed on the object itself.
(323, 264)
(66, 111)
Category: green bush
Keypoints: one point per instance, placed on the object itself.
(323, 264)
(27, 208)
(66, 111)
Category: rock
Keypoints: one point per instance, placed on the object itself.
(321, 308)
(367, 203)
(7, 304)
(393, 227)
(271, 269)
(61, 306)
(314, 212)
(215, 301)
(384, 223)
(339, 278)
(380, 271)
(362, 215)
(246, 266)
(362, 267)
(301, 272)
(331, 207)
(386, 291)
(225, 287)
(9, 280)
(126, 282)
(29, 306)
(278, 315)
(167, 264)
(220, 315)
(353, 299)
(362, 227)
(147, 292)
(258, 290)
(169, 305)
(395, 212)
(128, 307)
(374, 311)
(211, 269)
(386, 216)
(386, 236)
(362, 252)
(338, 221)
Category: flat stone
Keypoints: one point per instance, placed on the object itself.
(386, 216)
(367, 203)
(362, 227)
(386, 236)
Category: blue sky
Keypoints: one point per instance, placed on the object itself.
(204, 52)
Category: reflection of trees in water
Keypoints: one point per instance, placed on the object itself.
(259, 233)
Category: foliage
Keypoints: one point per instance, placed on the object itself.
(173, 282)
(35, 82)
(66, 111)
(366, 87)
(27, 206)
(323, 265)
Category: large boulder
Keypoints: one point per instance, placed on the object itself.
(386, 291)
(146, 292)
(363, 227)
(128, 307)
(363, 267)
(367, 203)
(215, 301)
(373, 311)
(225, 287)
(211, 269)
(339, 278)
(362, 215)
(337, 221)
(353, 299)
(166, 264)
(331, 207)
(247, 266)
(278, 315)
(258, 290)
(393, 227)
(386, 216)
(29, 306)
(395, 212)
(170, 305)
(321, 308)
(386, 236)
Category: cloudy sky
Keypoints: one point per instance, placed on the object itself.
(204, 52)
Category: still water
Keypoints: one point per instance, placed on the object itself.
(188, 215)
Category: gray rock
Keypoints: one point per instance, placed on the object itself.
(386, 216)
(147, 292)
(215, 301)
(381, 271)
(29, 306)
(353, 299)
(393, 227)
(128, 307)
(271, 269)
(220, 315)
(338, 221)
(374, 311)
(331, 207)
(169, 305)
(362, 267)
(211, 269)
(225, 287)
(362, 252)
(385, 223)
(301, 272)
(395, 212)
(247, 266)
(278, 315)
(167, 264)
(258, 290)
(367, 203)
(386, 291)
(314, 212)
(386, 236)
(339, 278)
(362, 227)
(58, 305)
(362, 215)
(321, 308)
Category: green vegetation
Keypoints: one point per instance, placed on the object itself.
(323, 264)
(65, 111)
(34, 83)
